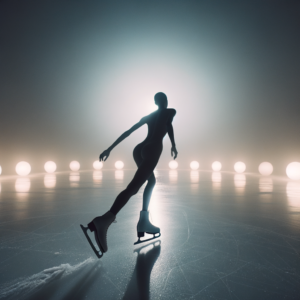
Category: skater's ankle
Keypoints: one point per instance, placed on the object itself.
(113, 213)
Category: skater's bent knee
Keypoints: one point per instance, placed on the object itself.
(152, 180)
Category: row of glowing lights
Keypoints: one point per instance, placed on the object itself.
(23, 168)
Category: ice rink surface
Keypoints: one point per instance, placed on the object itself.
(224, 236)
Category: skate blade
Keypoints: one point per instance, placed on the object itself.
(85, 229)
(139, 241)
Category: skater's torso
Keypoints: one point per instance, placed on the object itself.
(157, 122)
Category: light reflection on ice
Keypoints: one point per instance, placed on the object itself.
(97, 176)
(194, 176)
(173, 175)
(50, 181)
(22, 185)
(216, 179)
(239, 182)
(119, 175)
(293, 194)
(265, 185)
(74, 178)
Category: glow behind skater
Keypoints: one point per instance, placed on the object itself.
(146, 156)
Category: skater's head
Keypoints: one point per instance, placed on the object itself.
(161, 100)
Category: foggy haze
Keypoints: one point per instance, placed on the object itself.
(74, 75)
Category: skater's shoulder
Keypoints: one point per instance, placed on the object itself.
(172, 111)
(149, 116)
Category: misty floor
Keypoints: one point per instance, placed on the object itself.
(224, 236)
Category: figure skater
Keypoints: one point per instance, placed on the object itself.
(146, 156)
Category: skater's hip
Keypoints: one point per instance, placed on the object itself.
(152, 149)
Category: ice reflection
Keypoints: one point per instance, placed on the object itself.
(216, 179)
(22, 185)
(194, 175)
(119, 175)
(50, 181)
(293, 194)
(266, 185)
(239, 182)
(97, 176)
(74, 179)
(173, 175)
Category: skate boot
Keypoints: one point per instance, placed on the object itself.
(99, 226)
(145, 226)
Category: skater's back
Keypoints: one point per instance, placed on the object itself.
(158, 123)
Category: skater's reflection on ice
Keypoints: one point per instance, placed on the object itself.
(138, 287)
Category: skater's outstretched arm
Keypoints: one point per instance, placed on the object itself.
(171, 136)
(104, 155)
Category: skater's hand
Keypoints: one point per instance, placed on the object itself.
(105, 154)
(174, 152)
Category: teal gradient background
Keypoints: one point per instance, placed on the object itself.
(74, 75)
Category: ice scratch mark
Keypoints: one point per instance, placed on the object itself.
(188, 228)
(24, 286)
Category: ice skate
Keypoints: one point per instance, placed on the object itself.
(145, 226)
(99, 226)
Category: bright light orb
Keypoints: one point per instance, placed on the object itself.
(23, 168)
(74, 165)
(265, 169)
(97, 165)
(239, 167)
(293, 171)
(216, 166)
(119, 165)
(194, 165)
(0, 170)
(173, 164)
(50, 166)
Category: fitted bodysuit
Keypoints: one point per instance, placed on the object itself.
(146, 154)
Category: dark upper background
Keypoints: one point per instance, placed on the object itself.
(75, 74)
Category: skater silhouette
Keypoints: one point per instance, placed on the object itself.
(146, 156)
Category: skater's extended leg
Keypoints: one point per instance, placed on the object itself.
(148, 191)
(142, 174)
